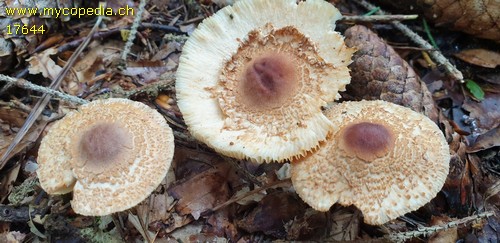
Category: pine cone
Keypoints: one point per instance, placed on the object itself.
(378, 72)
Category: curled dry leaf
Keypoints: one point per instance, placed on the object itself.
(480, 57)
(200, 193)
(458, 186)
(485, 141)
(378, 72)
(42, 63)
(486, 112)
(476, 17)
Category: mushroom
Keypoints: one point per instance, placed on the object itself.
(111, 153)
(252, 79)
(385, 159)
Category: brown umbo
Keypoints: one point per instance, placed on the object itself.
(385, 159)
(111, 153)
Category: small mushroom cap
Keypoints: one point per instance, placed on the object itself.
(111, 153)
(385, 159)
(253, 77)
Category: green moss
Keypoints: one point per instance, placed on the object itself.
(24, 191)
(98, 236)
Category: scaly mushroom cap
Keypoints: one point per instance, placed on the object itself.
(385, 159)
(252, 78)
(111, 153)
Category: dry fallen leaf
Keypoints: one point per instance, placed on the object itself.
(12, 117)
(272, 213)
(146, 71)
(345, 224)
(43, 63)
(485, 141)
(486, 112)
(200, 193)
(307, 227)
(12, 237)
(480, 57)
(448, 235)
(7, 179)
(476, 17)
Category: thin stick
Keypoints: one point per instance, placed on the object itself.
(22, 83)
(107, 33)
(133, 31)
(378, 18)
(425, 231)
(40, 105)
(436, 54)
(283, 183)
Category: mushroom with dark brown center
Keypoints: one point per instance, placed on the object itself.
(269, 80)
(385, 159)
(253, 78)
(366, 140)
(100, 147)
(111, 153)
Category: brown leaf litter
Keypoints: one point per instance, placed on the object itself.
(183, 208)
(476, 17)
(481, 57)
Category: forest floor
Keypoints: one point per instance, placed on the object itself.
(208, 197)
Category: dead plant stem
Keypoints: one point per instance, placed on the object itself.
(283, 183)
(133, 32)
(22, 83)
(425, 231)
(378, 18)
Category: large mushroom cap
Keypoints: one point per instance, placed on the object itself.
(385, 159)
(111, 153)
(252, 78)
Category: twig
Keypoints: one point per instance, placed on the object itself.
(244, 173)
(378, 18)
(283, 183)
(107, 33)
(411, 48)
(166, 83)
(426, 231)
(19, 214)
(40, 105)
(15, 105)
(133, 32)
(161, 27)
(22, 83)
(7, 86)
(436, 54)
